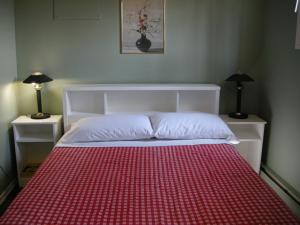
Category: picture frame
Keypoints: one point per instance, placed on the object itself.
(142, 26)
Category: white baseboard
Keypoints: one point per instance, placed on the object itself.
(7, 191)
(292, 204)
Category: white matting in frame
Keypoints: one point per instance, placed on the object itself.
(142, 26)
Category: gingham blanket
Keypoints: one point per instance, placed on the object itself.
(200, 184)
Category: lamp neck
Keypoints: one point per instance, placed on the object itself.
(37, 87)
(39, 100)
(239, 87)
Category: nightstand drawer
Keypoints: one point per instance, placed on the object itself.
(30, 154)
(34, 140)
(250, 151)
(34, 133)
(250, 132)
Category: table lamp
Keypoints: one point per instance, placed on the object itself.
(239, 78)
(37, 79)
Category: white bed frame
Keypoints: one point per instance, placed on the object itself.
(82, 101)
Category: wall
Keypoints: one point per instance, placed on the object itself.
(281, 92)
(216, 39)
(8, 74)
(297, 45)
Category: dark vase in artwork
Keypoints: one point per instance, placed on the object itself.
(143, 44)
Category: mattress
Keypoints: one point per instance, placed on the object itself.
(144, 143)
(190, 184)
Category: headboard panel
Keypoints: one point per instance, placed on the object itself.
(91, 100)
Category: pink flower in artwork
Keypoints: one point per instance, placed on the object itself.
(142, 23)
(146, 24)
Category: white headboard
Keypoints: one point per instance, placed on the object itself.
(90, 100)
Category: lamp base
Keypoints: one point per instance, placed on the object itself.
(40, 116)
(238, 115)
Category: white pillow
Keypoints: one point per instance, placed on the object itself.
(190, 126)
(109, 128)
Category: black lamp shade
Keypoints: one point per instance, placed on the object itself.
(240, 78)
(37, 78)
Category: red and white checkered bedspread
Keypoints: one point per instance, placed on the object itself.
(201, 184)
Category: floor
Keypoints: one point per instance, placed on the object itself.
(8, 200)
(289, 201)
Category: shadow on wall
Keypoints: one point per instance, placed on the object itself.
(8, 112)
(12, 151)
(51, 96)
(53, 91)
(216, 39)
(250, 97)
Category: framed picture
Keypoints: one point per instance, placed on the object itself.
(142, 26)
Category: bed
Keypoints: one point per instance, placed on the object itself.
(144, 181)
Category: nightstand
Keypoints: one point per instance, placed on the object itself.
(250, 131)
(34, 140)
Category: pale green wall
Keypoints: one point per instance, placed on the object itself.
(281, 91)
(8, 73)
(206, 41)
